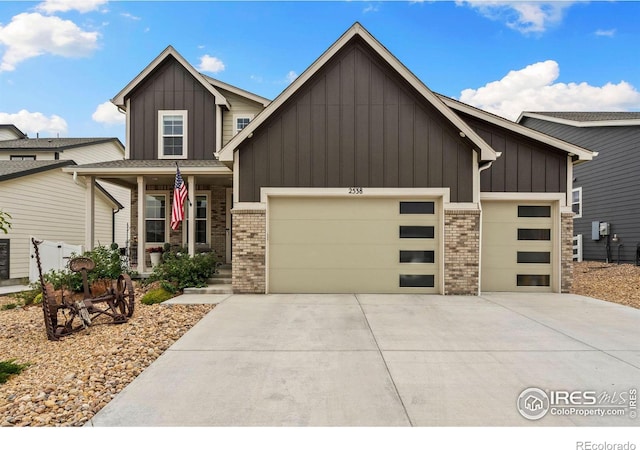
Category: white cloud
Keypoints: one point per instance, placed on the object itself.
(108, 114)
(523, 16)
(371, 8)
(130, 16)
(534, 89)
(36, 122)
(210, 64)
(606, 33)
(83, 6)
(32, 34)
(291, 76)
(256, 78)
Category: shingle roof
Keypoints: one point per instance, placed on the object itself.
(16, 169)
(590, 116)
(151, 163)
(51, 144)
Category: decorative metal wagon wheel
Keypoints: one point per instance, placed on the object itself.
(117, 302)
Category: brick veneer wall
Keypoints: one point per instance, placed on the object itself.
(219, 222)
(461, 252)
(249, 249)
(566, 252)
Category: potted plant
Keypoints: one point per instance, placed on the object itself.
(155, 253)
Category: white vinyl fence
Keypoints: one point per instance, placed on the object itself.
(577, 248)
(53, 255)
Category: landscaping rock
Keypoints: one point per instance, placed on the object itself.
(69, 381)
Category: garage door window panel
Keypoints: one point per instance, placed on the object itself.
(417, 207)
(416, 232)
(533, 280)
(417, 280)
(417, 256)
(534, 211)
(534, 234)
(534, 257)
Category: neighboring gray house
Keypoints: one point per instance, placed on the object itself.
(356, 178)
(606, 189)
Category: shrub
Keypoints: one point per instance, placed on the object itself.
(178, 270)
(28, 297)
(108, 265)
(8, 368)
(154, 296)
(8, 306)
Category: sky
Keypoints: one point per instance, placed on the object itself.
(61, 61)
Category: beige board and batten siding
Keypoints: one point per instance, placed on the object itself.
(351, 245)
(240, 106)
(49, 206)
(519, 251)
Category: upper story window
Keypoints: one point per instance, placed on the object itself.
(23, 157)
(172, 134)
(576, 202)
(240, 121)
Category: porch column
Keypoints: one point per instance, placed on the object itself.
(141, 202)
(90, 207)
(191, 180)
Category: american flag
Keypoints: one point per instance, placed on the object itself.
(179, 195)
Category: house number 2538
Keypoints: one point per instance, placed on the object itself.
(355, 190)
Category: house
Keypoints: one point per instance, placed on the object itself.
(605, 191)
(356, 178)
(17, 146)
(50, 205)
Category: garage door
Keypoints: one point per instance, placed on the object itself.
(349, 245)
(517, 247)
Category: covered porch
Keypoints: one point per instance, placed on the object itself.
(207, 223)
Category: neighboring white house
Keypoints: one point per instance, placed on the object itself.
(46, 203)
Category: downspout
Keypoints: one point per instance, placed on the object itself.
(113, 223)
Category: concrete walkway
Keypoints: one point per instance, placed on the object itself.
(385, 360)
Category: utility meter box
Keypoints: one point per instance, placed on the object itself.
(599, 229)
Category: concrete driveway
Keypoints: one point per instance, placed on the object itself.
(390, 360)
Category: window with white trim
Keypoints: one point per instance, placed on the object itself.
(22, 157)
(155, 218)
(576, 202)
(240, 121)
(172, 134)
(202, 220)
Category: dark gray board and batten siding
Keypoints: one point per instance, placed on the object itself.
(610, 184)
(172, 87)
(524, 166)
(356, 123)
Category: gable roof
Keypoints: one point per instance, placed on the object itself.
(16, 169)
(238, 91)
(15, 130)
(10, 170)
(52, 144)
(119, 99)
(580, 153)
(486, 153)
(584, 119)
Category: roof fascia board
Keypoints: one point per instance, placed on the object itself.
(486, 152)
(238, 91)
(119, 99)
(582, 153)
(64, 147)
(579, 124)
(109, 197)
(19, 134)
(86, 171)
(35, 170)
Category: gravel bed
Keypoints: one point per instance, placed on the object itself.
(617, 283)
(69, 381)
